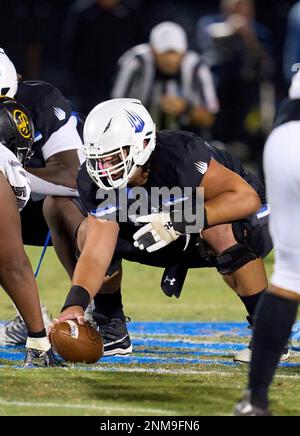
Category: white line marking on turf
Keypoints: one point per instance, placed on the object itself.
(162, 371)
(179, 372)
(159, 371)
(88, 407)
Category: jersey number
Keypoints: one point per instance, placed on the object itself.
(20, 192)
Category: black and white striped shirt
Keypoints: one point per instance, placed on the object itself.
(138, 78)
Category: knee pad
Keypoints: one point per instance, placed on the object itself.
(255, 234)
(234, 258)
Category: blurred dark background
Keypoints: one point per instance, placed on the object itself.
(55, 40)
(34, 33)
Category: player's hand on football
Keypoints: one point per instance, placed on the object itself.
(72, 313)
(156, 234)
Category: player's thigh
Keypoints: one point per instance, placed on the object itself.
(63, 213)
(283, 183)
(281, 165)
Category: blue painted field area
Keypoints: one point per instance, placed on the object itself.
(189, 329)
(165, 343)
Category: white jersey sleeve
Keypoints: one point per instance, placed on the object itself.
(63, 139)
(16, 176)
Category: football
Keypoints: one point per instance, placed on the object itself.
(77, 343)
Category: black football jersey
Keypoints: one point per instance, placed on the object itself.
(49, 111)
(180, 159)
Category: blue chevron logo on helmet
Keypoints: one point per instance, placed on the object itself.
(136, 121)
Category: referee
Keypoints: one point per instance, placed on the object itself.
(174, 83)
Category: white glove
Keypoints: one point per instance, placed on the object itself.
(158, 233)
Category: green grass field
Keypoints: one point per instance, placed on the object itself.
(191, 390)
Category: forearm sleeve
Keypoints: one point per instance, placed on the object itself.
(40, 186)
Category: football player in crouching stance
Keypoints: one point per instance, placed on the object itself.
(230, 233)
(16, 275)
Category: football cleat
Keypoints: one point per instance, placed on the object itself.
(245, 408)
(115, 335)
(15, 332)
(41, 359)
(245, 355)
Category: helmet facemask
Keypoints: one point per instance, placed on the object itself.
(24, 152)
(111, 170)
(123, 163)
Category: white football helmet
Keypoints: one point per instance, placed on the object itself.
(8, 76)
(119, 137)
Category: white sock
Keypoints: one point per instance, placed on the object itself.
(41, 344)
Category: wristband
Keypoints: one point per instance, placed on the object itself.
(77, 296)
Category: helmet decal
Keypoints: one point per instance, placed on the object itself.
(16, 128)
(108, 126)
(22, 123)
(136, 121)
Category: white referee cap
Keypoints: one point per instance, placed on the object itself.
(168, 36)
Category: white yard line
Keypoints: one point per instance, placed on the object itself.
(161, 371)
(106, 409)
(182, 372)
